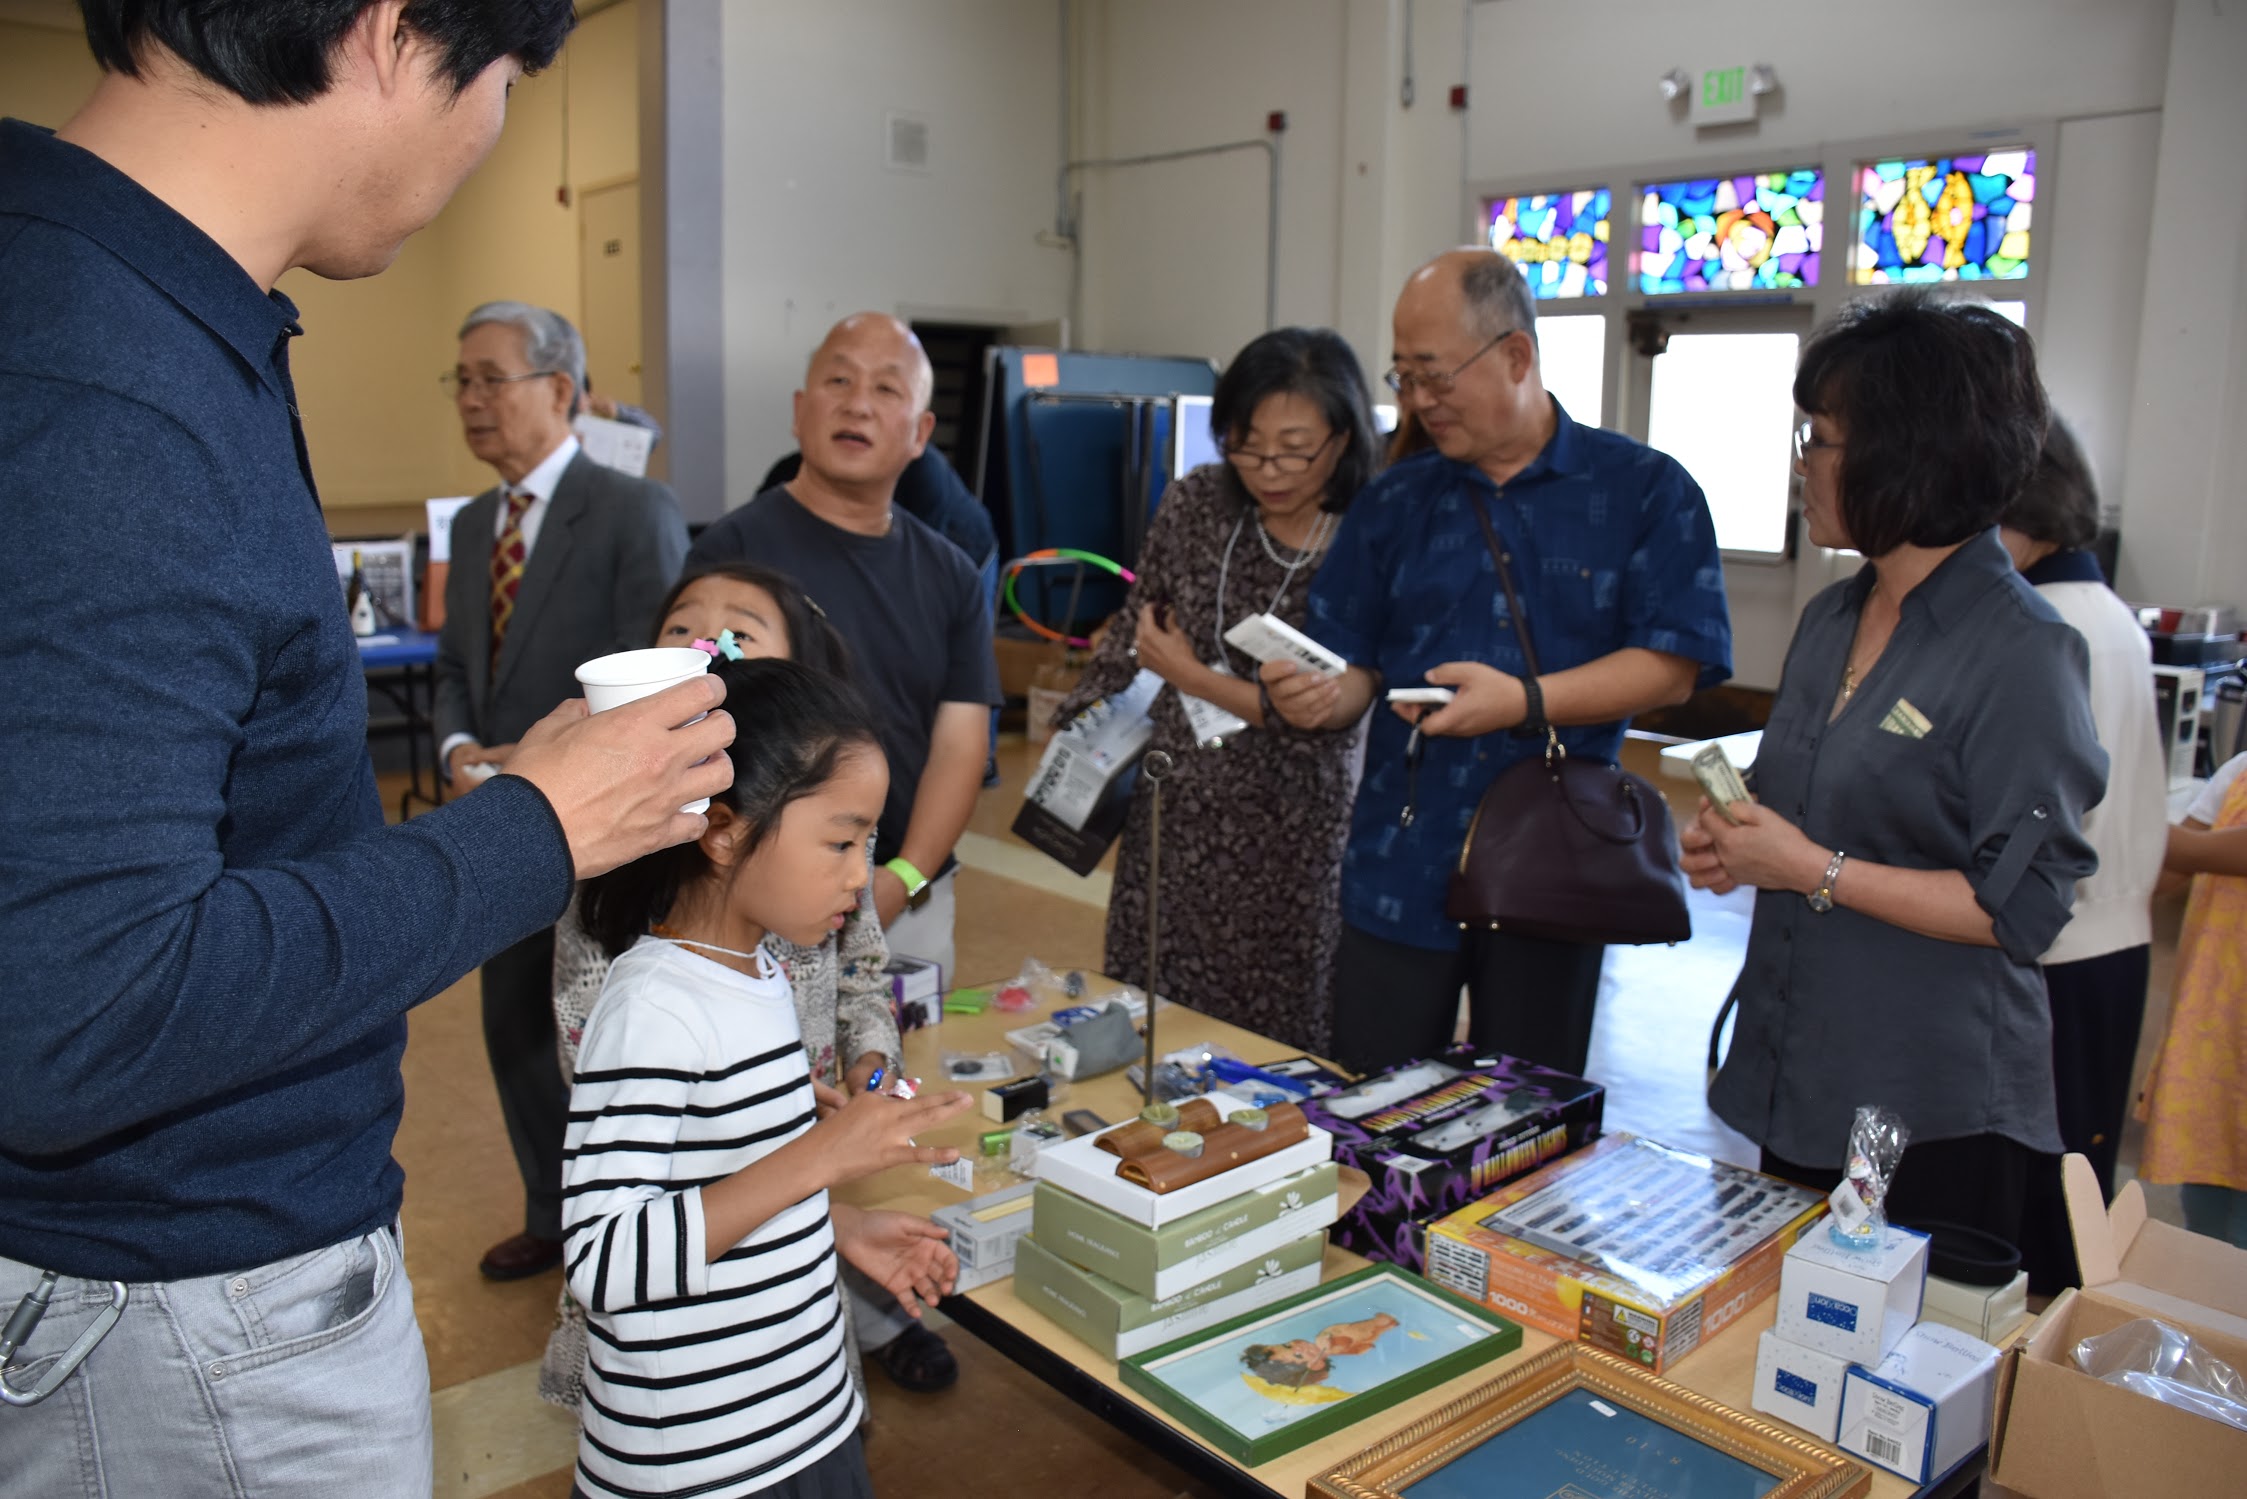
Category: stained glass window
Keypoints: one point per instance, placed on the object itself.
(1951, 218)
(1731, 233)
(1558, 239)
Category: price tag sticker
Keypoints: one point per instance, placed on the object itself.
(960, 1173)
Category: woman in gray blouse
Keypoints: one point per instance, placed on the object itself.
(1916, 836)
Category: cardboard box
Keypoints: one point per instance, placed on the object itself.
(1991, 1313)
(1856, 1304)
(916, 991)
(1080, 1166)
(985, 1231)
(1118, 1323)
(2059, 1433)
(1925, 1407)
(1633, 1247)
(1799, 1385)
(1436, 1135)
(1158, 1263)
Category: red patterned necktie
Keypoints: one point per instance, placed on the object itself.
(508, 555)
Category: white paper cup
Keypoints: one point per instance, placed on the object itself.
(628, 676)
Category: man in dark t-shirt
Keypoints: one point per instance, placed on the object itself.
(908, 602)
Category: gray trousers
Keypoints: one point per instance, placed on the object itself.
(534, 1097)
(296, 1380)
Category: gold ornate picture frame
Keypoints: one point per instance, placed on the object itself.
(1555, 1395)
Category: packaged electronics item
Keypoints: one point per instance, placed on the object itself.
(1082, 1122)
(1158, 1263)
(1099, 1043)
(2062, 1434)
(1007, 1100)
(984, 1231)
(1081, 791)
(1924, 1407)
(1434, 697)
(1117, 1323)
(1435, 1136)
(1082, 1167)
(1991, 1313)
(916, 991)
(1267, 637)
(1636, 1248)
(1799, 1385)
(1856, 1304)
(979, 1067)
(1034, 1043)
(1315, 1078)
(1032, 1138)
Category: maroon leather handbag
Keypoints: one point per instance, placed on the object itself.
(1565, 848)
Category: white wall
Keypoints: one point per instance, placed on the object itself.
(816, 227)
(2184, 531)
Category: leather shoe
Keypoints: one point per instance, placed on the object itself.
(518, 1258)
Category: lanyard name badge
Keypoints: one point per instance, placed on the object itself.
(1213, 725)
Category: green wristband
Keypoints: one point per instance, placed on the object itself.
(912, 877)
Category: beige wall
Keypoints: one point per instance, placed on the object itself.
(383, 437)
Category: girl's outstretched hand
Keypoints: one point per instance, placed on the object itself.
(872, 1132)
(903, 1253)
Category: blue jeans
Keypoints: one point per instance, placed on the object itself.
(305, 1377)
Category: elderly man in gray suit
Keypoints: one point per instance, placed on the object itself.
(563, 561)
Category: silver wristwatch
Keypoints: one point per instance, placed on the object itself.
(1821, 899)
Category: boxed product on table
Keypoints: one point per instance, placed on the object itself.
(1925, 1407)
(1081, 1167)
(984, 1232)
(1158, 1263)
(2062, 1434)
(1434, 1136)
(1854, 1303)
(1119, 1323)
(916, 991)
(1799, 1385)
(1628, 1245)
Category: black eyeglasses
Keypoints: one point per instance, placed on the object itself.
(457, 384)
(1278, 463)
(1402, 381)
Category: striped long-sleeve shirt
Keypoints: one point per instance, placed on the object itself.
(712, 1377)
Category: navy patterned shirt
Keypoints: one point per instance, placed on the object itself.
(1613, 548)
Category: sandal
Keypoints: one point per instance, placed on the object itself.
(917, 1361)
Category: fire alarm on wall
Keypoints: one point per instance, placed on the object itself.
(1458, 96)
(1276, 121)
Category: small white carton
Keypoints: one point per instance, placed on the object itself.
(1082, 1167)
(1854, 1303)
(1799, 1385)
(1925, 1407)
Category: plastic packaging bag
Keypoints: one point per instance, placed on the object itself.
(1876, 1143)
(978, 1066)
(2158, 1361)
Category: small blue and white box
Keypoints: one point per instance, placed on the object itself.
(1925, 1407)
(1799, 1385)
(1856, 1304)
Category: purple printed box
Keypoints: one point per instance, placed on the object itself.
(1436, 1135)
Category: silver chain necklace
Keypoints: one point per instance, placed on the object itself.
(1225, 563)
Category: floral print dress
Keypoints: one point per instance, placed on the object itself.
(1252, 831)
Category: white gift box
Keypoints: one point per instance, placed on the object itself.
(1925, 1407)
(1856, 1304)
(1799, 1385)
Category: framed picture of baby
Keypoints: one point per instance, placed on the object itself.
(1576, 1423)
(1324, 1359)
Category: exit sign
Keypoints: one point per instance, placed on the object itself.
(1722, 96)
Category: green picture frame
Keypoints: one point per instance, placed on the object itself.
(1318, 1362)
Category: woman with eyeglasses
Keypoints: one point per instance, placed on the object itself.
(1915, 837)
(1255, 812)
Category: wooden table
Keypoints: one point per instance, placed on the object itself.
(1722, 1369)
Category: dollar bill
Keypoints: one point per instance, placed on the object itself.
(1720, 780)
(1906, 720)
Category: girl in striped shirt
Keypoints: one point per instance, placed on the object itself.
(700, 1236)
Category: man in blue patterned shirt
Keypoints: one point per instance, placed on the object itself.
(1615, 558)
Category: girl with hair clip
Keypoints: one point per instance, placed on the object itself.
(841, 993)
(701, 1237)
